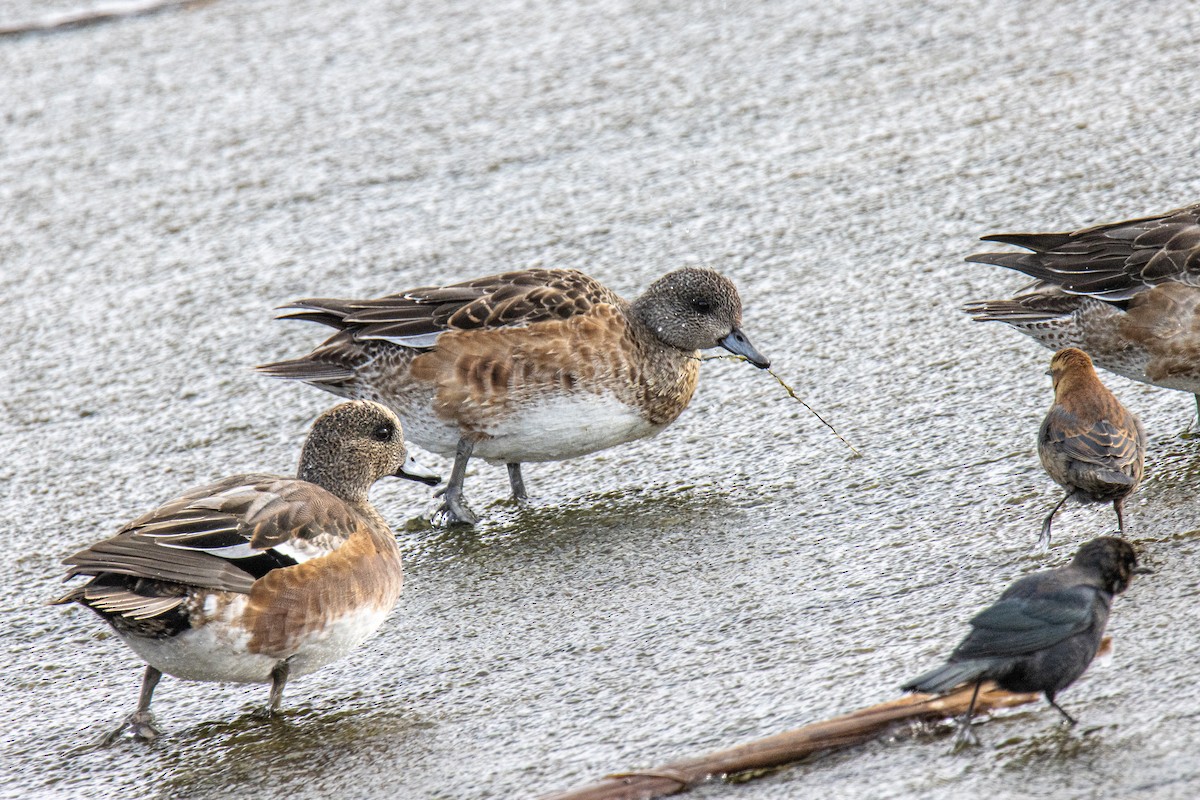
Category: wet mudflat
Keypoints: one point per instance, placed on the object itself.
(168, 180)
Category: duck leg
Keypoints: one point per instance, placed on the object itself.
(141, 722)
(517, 482)
(453, 510)
(279, 677)
(1119, 507)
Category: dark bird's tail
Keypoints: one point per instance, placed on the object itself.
(947, 676)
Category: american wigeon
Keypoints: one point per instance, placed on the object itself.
(257, 578)
(535, 365)
(1127, 293)
(1089, 443)
(1043, 632)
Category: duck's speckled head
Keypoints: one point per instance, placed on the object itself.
(352, 445)
(694, 309)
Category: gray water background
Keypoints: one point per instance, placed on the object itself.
(165, 181)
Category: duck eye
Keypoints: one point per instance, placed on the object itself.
(702, 305)
(383, 433)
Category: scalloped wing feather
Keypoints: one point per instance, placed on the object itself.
(225, 535)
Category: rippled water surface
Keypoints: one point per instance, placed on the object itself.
(168, 180)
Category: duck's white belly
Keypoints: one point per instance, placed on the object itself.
(558, 427)
(218, 650)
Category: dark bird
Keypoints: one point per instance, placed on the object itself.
(1042, 633)
(536, 365)
(1128, 293)
(1089, 443)
(257, 578)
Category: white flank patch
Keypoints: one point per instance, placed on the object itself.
(301, 550)
(419, 341)
(337, 639)
(218, 650)
(563, 426)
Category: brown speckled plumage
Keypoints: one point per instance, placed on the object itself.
(537, 365)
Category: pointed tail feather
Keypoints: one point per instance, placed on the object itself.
(948, 676)
(305, 369)
(1037, 242)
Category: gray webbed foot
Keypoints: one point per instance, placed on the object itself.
(453, 511)
(140, 724)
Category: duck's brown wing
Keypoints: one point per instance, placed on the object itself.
(223, 536)
(1110, 262)
(416, 317)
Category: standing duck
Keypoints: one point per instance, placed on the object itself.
(257, 578)
(536, 365)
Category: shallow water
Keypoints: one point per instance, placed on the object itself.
(169, 179)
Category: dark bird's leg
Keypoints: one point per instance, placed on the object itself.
(1050, 699)
(141, 722)
(1119, 507)
(517, 482)
(1044, 540)
(966, 737)
(454, 506)
(279, 677)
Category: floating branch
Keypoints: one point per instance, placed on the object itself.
(787, 748)
(91, 16)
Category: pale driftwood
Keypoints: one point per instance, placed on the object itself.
(89, 16)
(786, 748)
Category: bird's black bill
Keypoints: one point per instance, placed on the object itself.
(737, 343)
(1143, 571)
(415, 472)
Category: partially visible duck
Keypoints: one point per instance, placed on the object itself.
(1127, 293)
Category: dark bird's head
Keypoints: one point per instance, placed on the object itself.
(1110, 558)
(352, 445)
(694, 309)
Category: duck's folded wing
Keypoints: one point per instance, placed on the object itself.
(1111, 262)
(417, 317)
(1015, 626)
(223, 536)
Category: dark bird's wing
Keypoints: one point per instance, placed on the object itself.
(1017, 625)
(1111, 262)
(415, 318)
(222, 536)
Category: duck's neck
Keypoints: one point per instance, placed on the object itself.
(336, 476)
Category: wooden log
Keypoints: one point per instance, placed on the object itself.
(91, 16)
(787, 748)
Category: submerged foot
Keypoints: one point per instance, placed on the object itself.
(140, 724)
(453, 511)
